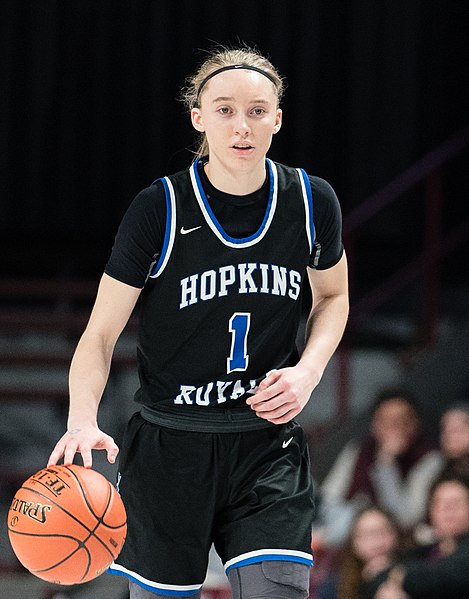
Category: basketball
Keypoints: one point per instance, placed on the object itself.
(67, 524)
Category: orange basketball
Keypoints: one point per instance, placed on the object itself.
(67, 524)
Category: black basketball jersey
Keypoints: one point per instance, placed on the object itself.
(218, 313)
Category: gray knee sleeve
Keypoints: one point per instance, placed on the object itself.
(138, 592)
(273, 579)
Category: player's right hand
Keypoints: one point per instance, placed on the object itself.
(83, 441)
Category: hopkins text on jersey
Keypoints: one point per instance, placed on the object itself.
(246, 277)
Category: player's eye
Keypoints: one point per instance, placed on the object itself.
(224, 110)
(259, 111)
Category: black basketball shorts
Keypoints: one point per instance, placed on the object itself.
(249, 493)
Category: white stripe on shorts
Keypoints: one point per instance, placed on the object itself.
(177, 590)
(288, 555)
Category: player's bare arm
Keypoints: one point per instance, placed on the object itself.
(284, 393)
(90, 370)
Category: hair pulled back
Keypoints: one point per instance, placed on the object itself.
(220, 57)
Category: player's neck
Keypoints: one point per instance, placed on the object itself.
(235, 182)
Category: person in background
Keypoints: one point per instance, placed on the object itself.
(454, 432)
(374, 544)
(439, 570)
(392, 467)
(454, 446)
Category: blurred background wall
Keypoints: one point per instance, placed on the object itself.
(89, 114)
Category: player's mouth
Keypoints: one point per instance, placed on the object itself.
(242, 148)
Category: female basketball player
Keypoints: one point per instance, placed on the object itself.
(218, 255)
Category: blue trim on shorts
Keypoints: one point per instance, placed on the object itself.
(156, 590)
(270, 558)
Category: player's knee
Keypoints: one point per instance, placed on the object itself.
(276, 579)
(138, 592)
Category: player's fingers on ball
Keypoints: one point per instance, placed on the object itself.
(69, 453)
(86, 457)
(56, 454)
(85, 451)
(55, 457)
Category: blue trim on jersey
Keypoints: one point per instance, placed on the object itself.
(167, 232)
(213, 218)
(154, 588)
(309, 195)
(256, 559)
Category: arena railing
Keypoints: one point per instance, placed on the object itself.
(425, 266)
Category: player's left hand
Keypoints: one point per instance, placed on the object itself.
(283, 394)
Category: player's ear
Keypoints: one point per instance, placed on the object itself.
(196, 119)
(278, 120)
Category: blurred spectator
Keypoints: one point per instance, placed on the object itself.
(393, 467)
(374, 544)
(454, 432)
(440, 570)
(454, 446)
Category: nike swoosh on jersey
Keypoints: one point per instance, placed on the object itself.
(285, 444)
(186, 231)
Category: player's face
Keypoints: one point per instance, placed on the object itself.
(239, 115)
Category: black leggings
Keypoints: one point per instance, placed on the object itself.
(272, 579)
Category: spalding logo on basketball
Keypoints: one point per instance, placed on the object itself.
(67, 524)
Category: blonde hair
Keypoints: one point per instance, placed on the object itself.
(223, 57)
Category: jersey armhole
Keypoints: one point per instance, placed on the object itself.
(170, 228)
(307, 193)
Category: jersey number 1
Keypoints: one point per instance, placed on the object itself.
(238, 326)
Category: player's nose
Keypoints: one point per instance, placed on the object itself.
(241, 126)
